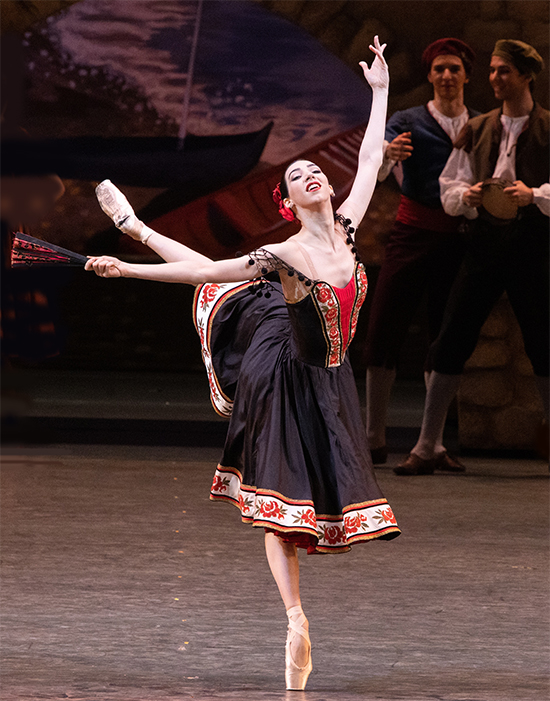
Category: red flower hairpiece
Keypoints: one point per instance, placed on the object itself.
(284, 211)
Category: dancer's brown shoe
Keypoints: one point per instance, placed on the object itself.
(448, 463)
(415, 465)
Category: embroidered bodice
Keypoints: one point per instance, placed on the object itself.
(324, 321)
(323, 317)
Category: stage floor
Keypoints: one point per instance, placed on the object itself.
(122, 582)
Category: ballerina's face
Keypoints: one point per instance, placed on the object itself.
(306, 183)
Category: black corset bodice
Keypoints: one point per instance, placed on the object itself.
(324, 321)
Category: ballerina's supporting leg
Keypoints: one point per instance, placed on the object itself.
(283, 562)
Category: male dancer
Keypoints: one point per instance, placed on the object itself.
(504, 255)
(424, 251)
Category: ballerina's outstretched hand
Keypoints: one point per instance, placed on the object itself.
(377, 75)
(371, 152)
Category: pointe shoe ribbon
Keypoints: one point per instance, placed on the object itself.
(116, 206)
(295, 676)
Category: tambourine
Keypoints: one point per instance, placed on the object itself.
(495, 202)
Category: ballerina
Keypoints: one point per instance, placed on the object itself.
(296, 460)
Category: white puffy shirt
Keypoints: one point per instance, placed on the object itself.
(458, 175)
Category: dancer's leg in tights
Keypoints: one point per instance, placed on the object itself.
(441, 392)
(438, 446)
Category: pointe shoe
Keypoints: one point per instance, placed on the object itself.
(296, 677)
(116, 206)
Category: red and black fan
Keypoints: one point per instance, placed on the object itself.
(30, 252)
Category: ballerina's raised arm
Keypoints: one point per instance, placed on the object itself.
(371, 152)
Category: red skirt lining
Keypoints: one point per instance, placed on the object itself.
(300, 540)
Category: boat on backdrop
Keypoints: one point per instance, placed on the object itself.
(209, 162)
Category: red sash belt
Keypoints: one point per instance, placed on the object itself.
(416, 214)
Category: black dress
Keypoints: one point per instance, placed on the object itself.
(296, 458)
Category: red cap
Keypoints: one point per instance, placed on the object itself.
(449, 46)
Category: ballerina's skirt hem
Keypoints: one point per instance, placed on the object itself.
(262, 508)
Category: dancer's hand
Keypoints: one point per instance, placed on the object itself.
(473, 196)
(400, 148)
(519, 193)
(377, 75)
(106, 266)
(115, 205)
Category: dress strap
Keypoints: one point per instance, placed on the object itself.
(349, 231)
(265, 262)
(307, 258)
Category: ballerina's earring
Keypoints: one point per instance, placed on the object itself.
(289, 204)
(332, 194)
